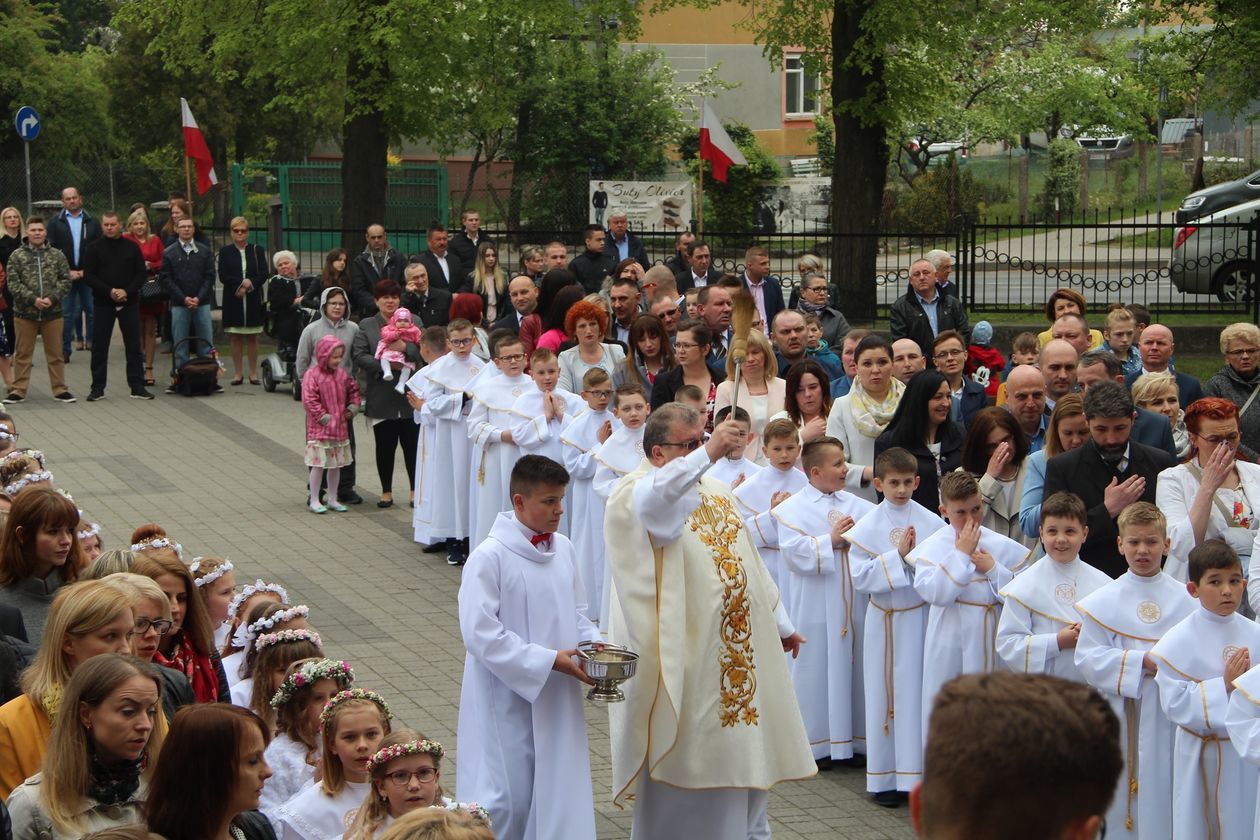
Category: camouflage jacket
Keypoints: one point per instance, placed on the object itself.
(38, 272)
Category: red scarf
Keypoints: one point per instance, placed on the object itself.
(196, 666)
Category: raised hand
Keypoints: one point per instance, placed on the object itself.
(983, 561)
(604, 432)
(999, 460)
(968, 538)
(906, 544)
(1118, 495)
(779, 497)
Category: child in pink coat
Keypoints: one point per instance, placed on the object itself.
(331, 398)
(399, 328)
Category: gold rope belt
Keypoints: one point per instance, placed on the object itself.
(889, 676)
(1208, 794)
(990, 642)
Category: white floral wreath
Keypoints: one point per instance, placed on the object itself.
(285, 636)
(209, 577)
(21, 453)
(253, 589)
(337, 670)
(472, 809)
(252, 631)
(159, 542)
(26, 480)
(352, 694)
(92, 530)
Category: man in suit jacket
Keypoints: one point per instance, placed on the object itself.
(1156, 347)
(377, 262)
(524, 297)
(700, 272)
(1149, 428)
(69, 232)
(430, 306)
(1110, 472)
(465, 243)
(621, 244)
(678, 262)
(765, 288)
(445, 269)
(923, 313)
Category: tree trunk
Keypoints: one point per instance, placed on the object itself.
(364, 147)
(861, 165)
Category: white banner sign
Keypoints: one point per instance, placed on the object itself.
(649, 205)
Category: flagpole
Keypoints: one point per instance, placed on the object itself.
(700, 174)
(188, 179)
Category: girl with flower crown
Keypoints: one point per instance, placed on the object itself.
(39, 553)
(89, 534)
(188, 646)
(100, 757)
(352, 726)
(239, 609)
(263, 617)
(8, 433)
(216, 584)
(87, 619)
(275, 652)
(294, 754)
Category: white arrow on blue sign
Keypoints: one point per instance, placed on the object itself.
(27, 123)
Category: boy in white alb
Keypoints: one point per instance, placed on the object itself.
(734, 469)
(1242, 721)
(443, 516)
(543, 412)
(522, 733)
(616, 457)
(1039, 626)
(1213, 790)
(757, 495)
(822, 603)
(1120, 623)
(959, 571)
(892, 640)
(494, 450)
(586, 518)
(432, 347)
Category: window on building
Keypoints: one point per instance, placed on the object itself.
(802, 87)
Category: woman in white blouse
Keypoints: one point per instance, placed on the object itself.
(761, 392)
(862, 415)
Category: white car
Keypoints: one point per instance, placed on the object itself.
(1213, 254)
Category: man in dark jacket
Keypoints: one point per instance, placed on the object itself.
(923, 313)
(678, 263)
(377, 262)
(621, 244)
(445, 269)
(187, 274)
(465, 243)
(69, 232)
(700, 271)
(594, 264)
(113, 268)
(524, 296)
(1149, 428)
(39, 278)
(430, 306)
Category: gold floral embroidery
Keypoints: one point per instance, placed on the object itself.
(717, 524)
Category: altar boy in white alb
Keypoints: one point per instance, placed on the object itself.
(1242, 720)
(757, 495)
(494, 450)
(522, 735)
(1120, 623)
(735, 469)
(1214, 790)
(892, 641)
(1039, 626)
(959, 571)
(544, 411)
(822, 603)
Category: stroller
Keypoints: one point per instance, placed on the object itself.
(199, 376)
(285, 326)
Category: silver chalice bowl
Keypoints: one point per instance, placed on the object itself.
(608, 665)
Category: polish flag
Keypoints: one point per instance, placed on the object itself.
(195, 147)
(716, 145)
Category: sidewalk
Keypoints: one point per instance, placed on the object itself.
(224, 475)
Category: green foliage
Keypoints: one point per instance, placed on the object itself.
(1062, 179)
(824, 139)
(939, 200)
(729, 207)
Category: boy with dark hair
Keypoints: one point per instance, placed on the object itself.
(758, 495)
(892, 641)
(734, 469)
(490, 421)
(1213, 790)
(1039, 626)
(521, 616)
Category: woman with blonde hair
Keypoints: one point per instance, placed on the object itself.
(139, 232)
(761, 390)
(1067, 430)
(439, 824)
(11, 237)
(1157, 392)
(98, 766)
(488, 280)
(152, 613)
(87, 619)
(39, 553)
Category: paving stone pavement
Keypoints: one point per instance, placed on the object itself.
(224, 475)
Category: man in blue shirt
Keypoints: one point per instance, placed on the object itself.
(622, 244)
(922, 313)
(69, 232)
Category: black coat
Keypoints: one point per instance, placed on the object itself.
(187, 274)
(591, 267)
(176, 691)
(906, 319)
(110, 264)
(1152, 429)
(11, 623)
(684, 279)
(929, 492)
(465, 249)
(437, 278)
(364, 277)
(60, 237)
(381, 401)
(508, 321)
(432, 310)
(244, 311)
(634, 250)
(669, 381)
(1083, 472)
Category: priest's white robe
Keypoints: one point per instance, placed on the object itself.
(727, 471)
(826, 610)
(965, 606)
(314, 815)
(615, 458)
(1120, 622)
(492, 458)
(446, 515)
(1039, 603)
(1242, 721)
(579, 441)
(1192, 693)
(522, 735)
(892, 642)
(710, 721)
(754, 496)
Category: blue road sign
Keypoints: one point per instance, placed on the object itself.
(27, 123)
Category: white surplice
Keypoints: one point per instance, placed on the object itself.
(1120, 622)
(492, 458)
(710, 721)
(1039, 603)
(615, 458)
(442, 513)
(826, 610)
(290, 775)
(314, 815)
(1192, 693)
(726, 470)
(534, 433)
(579, 440)
(892, 642)
(522, 735)
(754, 496)
(1242, 721)
(965, 606)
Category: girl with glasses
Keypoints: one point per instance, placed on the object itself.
(406, 774)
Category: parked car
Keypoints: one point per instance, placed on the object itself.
(1214, 254)
(1103, 143)
(1218, 197)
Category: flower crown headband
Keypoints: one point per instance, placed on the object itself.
(209, 577)
(312, 672)
(26, 480)
(5, 434)
(472, 809)
(20, 453)
(382, 757)
(159, 542)
(284, 637)
(352, 694)
(92, 530)
(252, 631)
(253, 589)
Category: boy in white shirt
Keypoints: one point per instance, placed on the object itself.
(734, 469)
(892, 641)
(543, 412)
(616, 457)
(490, 422)
(778, 480)
(1039, 626)
(432, 347)
(1213, 790)
(1120, 623)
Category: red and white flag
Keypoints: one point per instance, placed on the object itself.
(195, 147)
(716, 146)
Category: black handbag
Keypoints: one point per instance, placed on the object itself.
(151, 291)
